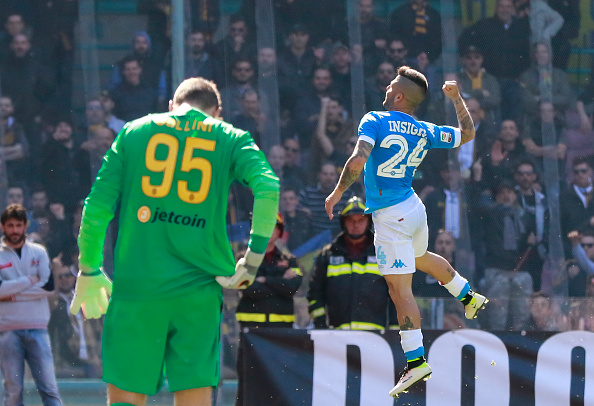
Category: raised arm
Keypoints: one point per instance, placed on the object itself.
(465, 123)
(350, 173)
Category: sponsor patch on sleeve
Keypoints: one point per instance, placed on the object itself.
(445, 137)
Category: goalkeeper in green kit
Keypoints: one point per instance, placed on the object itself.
(170, 175)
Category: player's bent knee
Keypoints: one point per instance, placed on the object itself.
(193, 397)
(117, 396)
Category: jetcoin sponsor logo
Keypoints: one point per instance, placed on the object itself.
(144, 214)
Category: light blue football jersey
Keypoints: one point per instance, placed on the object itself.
(400, 143)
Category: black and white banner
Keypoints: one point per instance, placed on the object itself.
(470, 367)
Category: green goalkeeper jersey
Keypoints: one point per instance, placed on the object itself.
(170, 174)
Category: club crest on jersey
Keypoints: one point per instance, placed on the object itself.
(445, 137)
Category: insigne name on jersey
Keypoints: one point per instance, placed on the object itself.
(406, 127)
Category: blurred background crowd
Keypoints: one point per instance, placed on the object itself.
(513, 210)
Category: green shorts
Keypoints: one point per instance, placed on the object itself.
(144, 338)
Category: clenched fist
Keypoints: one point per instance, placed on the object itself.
(450, 89)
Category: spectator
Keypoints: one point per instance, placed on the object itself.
(581, 312)
(152, 74)
(297, 220)
(374, 31)
(251, 118)
(307, 109)
(27, 82)
(54, 230)
(95, 115)
(266, 63)
(504, 42)
(545, 315)
(478, 84)
(553, 80)
(375, 90)
(498, 163)
(546, 122)
(397, 53)
(158, 25)
(332, 135)
(108, 105)
(24, 312)
(14, 25)
(88, 158)
(579, 135)
(576, 278)
(276, 159)
(14, 147)
(536, 217)
(446, 205)
(243, 76)
(236, 45)
(16, 195)
(425, 285)
(286, 14)
(53, 41)
(199, 62)
(57, 167)
(312, 199)
(76, 355)
(293, 174)
(545, 22)
(570, 11)
(340, 68)
(39, 202)
(576, 203)
(508, 285)
(133, 99)
(346, 290)
(420, 23)
(484, 139)
(296, 62)
(582, 248)
(268, 302)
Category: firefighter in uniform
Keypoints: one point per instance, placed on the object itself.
(346, 289)
(268, 302)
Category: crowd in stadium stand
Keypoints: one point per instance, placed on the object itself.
(493, 192)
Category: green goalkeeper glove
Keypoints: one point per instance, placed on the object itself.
(245, 272)
(92, 289)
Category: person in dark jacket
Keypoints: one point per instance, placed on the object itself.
(346, 289)
(268, 302)
(421, 24)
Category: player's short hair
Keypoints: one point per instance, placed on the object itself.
(14, 211)
(128, 59)
(540, 294)
(198, 91)
(285, 189)
(415, 76)
(243, 59)
(582, 160)
(236, 18)
(446, 232)
(525, 161)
